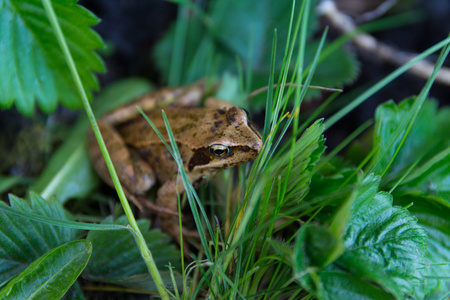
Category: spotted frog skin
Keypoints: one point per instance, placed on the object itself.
(209, 139)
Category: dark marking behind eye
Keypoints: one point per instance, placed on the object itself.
(201, 157)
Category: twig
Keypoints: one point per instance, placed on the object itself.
(368, 43)
(376, 13)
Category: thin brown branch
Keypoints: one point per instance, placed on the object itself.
(369, 44)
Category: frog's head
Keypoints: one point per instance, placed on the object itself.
(227, 139)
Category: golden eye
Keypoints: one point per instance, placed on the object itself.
(218, 150)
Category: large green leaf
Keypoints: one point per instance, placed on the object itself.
(69, 173)
(343, 285)
(385, 244)
(116, 259)
(385, 248)
(33, 66)
(434, 217)
(23, 240)
(427, 137)
(51, 275)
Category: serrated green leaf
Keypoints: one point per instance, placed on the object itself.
(426, 138)
(23, 240)
(51, 275)
(57, 222)
(69, 173)
(385, 247)
(116, 259)
(434, 217)
(384, 243)
(307, 150)
(33, 66)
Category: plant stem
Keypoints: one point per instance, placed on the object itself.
(142, 245)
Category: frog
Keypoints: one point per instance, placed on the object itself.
(209, 139)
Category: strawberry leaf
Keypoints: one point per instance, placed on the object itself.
(51, 275)
(33, 65)
(23, 240)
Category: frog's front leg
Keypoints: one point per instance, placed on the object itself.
(167, 197)
(135, 175)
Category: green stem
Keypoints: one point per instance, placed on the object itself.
(142, 245)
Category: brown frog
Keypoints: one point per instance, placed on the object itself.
(209, 139)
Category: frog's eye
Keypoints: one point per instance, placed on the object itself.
(218, 150)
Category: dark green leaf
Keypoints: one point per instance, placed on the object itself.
(116, 259)
(23, 240)
(51, 275)
(385, 248)
(339, 68)
(342, 285)
(434, 217)
(33, 66)
(244, 29)
(425, 139)
(69, 172)
(312, 247)
(331, 184)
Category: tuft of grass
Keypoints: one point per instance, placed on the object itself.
(251, 261)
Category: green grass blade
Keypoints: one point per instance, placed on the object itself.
(57, 222)
(145, 252)
(193, 199)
